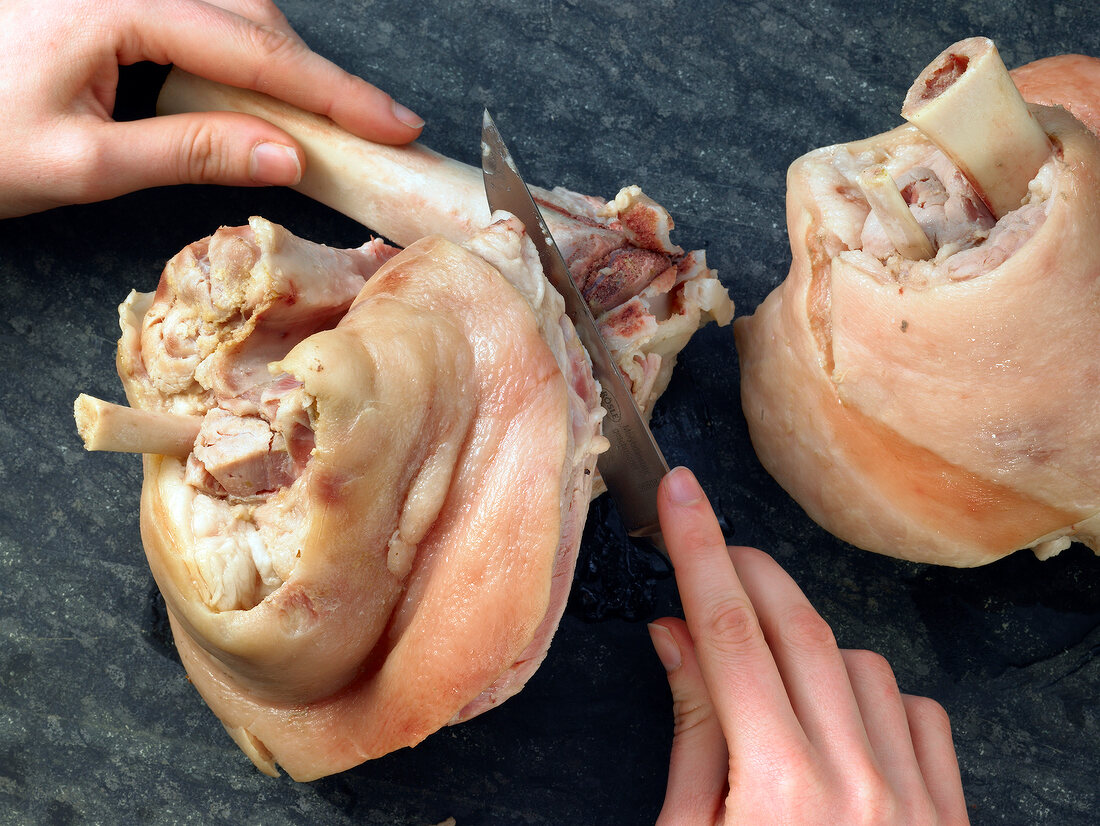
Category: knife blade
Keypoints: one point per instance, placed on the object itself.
(634, 465)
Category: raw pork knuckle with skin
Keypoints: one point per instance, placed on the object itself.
(647, 294)
(366, 476)
(943, 409)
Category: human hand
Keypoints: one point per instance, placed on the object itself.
(774, 723)
(59, 78)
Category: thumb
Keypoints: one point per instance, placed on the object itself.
(199, 148)
(698, 776)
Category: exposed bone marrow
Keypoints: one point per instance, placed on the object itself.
(966, 103)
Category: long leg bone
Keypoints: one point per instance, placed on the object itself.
(648, 295)
(966, 103)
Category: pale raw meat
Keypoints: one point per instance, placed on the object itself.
(376, 531)
(618, 252)
(943, 410)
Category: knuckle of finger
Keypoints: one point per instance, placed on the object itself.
(78, 160)
(923, 811)
(870, 662)
(913, 808)
(872, 669)
(926, 712)
(273, 43)
(803, 628)
(871, 800)
(793, 770)
(690, 714)
(789, 783)
(731, 623)
(699, 537)
(200, 157)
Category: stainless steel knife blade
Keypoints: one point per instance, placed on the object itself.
(634, 465)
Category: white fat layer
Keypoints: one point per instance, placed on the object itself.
(224, 542)
(969, 242)
(1087, 532)
(282, 524)
(241, 552)
(505, 245)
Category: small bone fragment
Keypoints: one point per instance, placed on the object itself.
(108, 426)
(966, 103)
(893, 213)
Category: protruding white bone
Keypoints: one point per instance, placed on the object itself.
(382, 187)
(966, 103)
(893, 213)
(107, 426)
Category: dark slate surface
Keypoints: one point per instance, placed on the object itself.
(702, 103)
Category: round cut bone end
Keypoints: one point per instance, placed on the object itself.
(966, 103)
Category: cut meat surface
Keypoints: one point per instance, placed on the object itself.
(616, 250)
(245, 456)
(374, 533)
(932, 409)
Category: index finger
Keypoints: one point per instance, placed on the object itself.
(220, 45)
(745, 686)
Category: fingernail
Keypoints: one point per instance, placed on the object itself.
(407, 116)
(668, 652)
(682, 487)
(273, 163)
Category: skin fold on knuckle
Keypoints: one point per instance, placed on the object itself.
(354, 102)
(690, 714)
(787, 787)
(796, 785)
(201, 158)
(269, 47)
(873, 673)
(869, 800)
(803, 630)
(77, 162)
(696, 535)
(927, 714)
(922, 812)
(728, 626)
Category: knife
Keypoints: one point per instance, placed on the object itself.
(634, 465)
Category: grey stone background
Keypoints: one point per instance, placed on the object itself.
(704, 104)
